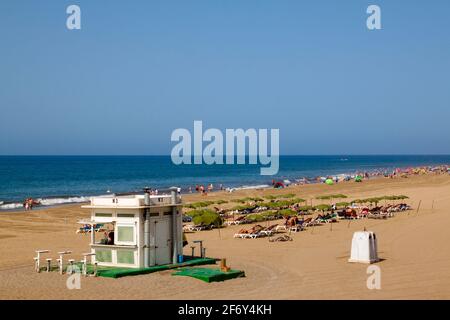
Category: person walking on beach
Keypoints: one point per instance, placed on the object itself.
(28, 204)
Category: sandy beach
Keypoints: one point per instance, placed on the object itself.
(413, 247)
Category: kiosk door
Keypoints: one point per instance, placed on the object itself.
(162, 242)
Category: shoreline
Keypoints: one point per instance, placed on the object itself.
(371, 174)
(224, 194)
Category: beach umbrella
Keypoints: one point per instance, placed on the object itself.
(329, 182)
(342, 204)
(326, 197)
(306, 208)
(278, 185)
(298, 200)
(323, 207)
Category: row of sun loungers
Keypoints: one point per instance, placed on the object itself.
(244, 220)
(298, 225)
(259, 231)
(387, 211)
(375, 213)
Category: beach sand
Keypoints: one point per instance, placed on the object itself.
(414, 246)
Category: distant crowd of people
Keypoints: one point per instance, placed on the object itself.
(388, 173)
(199, 188)
(202, 190)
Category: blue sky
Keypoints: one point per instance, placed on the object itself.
(138, 70)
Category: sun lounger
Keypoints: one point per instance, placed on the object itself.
(266, 232)
(255, 232)
(247, 235)
(201, 227)
(192, 228)
(254, 235)
(281, 227)
(240, 235)
(188, 227)
(327, 219)
(377, 215)
(311, 222)
(296, 228)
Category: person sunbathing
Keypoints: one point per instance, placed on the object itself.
(349, 212)
(364, 212)
(292, 222)
(257, 228)
(271, 227)
(243, 231)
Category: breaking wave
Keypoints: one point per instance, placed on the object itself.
(44, 202)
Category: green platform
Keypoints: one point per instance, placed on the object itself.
(209, 275)
(114, 272)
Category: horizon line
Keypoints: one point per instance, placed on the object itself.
(224, 155)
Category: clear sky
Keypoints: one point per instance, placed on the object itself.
(139, 69)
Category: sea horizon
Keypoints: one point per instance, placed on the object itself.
(281, 155)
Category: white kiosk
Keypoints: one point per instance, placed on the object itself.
(364, 247)
(146, 230)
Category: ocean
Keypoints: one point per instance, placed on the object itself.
(65, 179)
